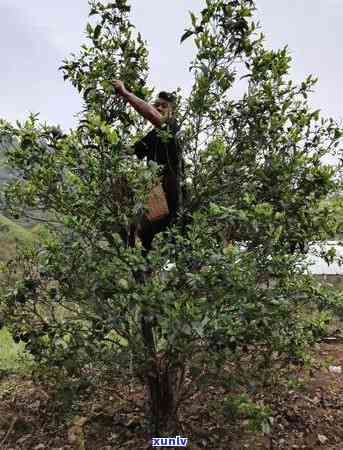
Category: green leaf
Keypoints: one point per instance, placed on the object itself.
(186, 35)
(107, 86)
(89, 28)
(87, 91)
(97, 31)
(193, 19)
(123, 284)
(245, 12)
(205, 69)
(227, 10)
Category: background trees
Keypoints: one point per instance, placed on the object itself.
(255, 182)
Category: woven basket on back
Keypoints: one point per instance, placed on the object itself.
(157, 204)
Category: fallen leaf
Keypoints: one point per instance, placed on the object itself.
(322, 439)
(75, 433)
(39, 447)
(335, 369)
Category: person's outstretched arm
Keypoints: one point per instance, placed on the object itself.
(142, 107)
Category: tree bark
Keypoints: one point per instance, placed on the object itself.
(164, 381)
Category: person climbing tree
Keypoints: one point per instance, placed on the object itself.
(161, 146)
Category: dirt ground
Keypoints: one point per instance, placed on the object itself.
(308, 416)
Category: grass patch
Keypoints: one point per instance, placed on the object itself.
(10, 234)
(12, 231)
(13, 357)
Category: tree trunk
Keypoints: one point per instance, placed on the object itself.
(164, 382)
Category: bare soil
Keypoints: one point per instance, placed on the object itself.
(307, 416)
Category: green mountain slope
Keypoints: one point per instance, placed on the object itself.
(10, 233)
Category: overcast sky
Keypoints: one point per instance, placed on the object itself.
(37, 34)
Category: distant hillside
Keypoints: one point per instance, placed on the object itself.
(10, 233)
(6, 174)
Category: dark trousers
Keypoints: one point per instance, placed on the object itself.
(147, 230)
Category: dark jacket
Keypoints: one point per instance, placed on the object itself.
(160, 145)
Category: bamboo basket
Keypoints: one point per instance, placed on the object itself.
(157, 204)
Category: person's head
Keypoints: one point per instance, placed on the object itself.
(166, 103)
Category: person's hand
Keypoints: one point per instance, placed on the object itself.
(119, 87)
